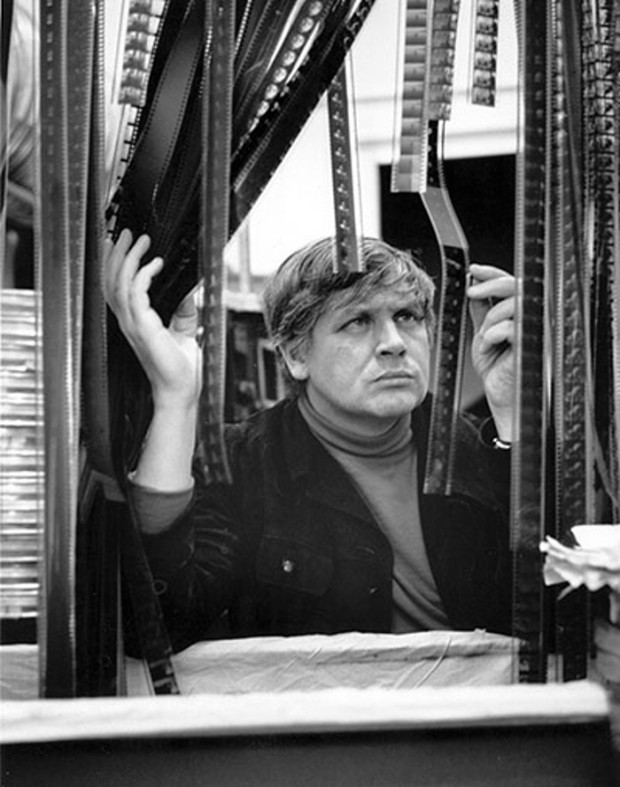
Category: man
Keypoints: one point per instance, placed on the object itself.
(325, 527)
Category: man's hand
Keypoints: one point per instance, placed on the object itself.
(492, 295)
(169, 356)
(171, 360)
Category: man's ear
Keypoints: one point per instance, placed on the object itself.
(295, 360)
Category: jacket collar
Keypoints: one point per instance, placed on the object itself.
(312, 468)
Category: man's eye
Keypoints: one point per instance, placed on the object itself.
(356, 322)
(408, 316)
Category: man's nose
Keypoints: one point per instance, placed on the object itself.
(390, 340)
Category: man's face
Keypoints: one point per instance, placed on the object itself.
(368, 361)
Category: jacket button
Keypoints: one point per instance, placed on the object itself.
(372, 590)
(288, 566)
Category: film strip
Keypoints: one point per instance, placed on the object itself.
(217, 130)
(142, 28)
(574, 480)
(484, 66)
(258, 33)
(419, 168)
(344, 174)
(613, 20)
(95, 668)
(528, 454)
(143, 25)
(454, 252)
(254, 162)
(6, 11)
(258, 101)
(54, 247)
(451, 326)
(99, 666)
(604, 189)
(79, 70)
(95, 405)
(159, 129)
(596, 163)
(443, 52)
(409, 170)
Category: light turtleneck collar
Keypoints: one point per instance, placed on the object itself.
(393, 442)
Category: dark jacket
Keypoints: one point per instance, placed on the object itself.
(291, 548)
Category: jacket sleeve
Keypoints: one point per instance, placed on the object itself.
(195, 563)
(484, 474)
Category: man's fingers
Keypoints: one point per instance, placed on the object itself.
(108, 248)
(132, 258)
(503, 310)
(485, 313)
(488, 282)
(495, 288)
(488, 288)
(185, 318)
(114, 255)
(486, 272)
(497, 334)
(478, 311)
(187, 307)
(119, 250)
(143, 278)
(138, 301)
(123, 265)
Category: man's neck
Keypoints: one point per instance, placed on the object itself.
(377, 438)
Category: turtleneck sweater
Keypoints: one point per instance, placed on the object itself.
(383, 468)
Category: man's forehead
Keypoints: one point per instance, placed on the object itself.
(379, 298)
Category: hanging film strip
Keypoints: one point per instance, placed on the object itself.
(528, 455)
(259, 96)
(594, 281)
(217, 136)
(6, 11)
(603, 198)
(443, 52)
(80, 77)
(165, 149)
(95, 412)
(451, 327)
(427, 92)
(257, 158)
(454, 252)
(61, 137)
(613, 20)
(142, 26)
(484, 66)
(573, 459)
(258, 31)
(344, 168)
(409, 169)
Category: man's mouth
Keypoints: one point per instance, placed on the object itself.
(395, 375)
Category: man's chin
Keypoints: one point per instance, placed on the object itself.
(398, 404)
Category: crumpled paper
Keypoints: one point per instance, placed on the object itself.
(595, 563)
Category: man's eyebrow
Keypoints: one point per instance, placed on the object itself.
(352, 307)
(402, 301)
(407, 302)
